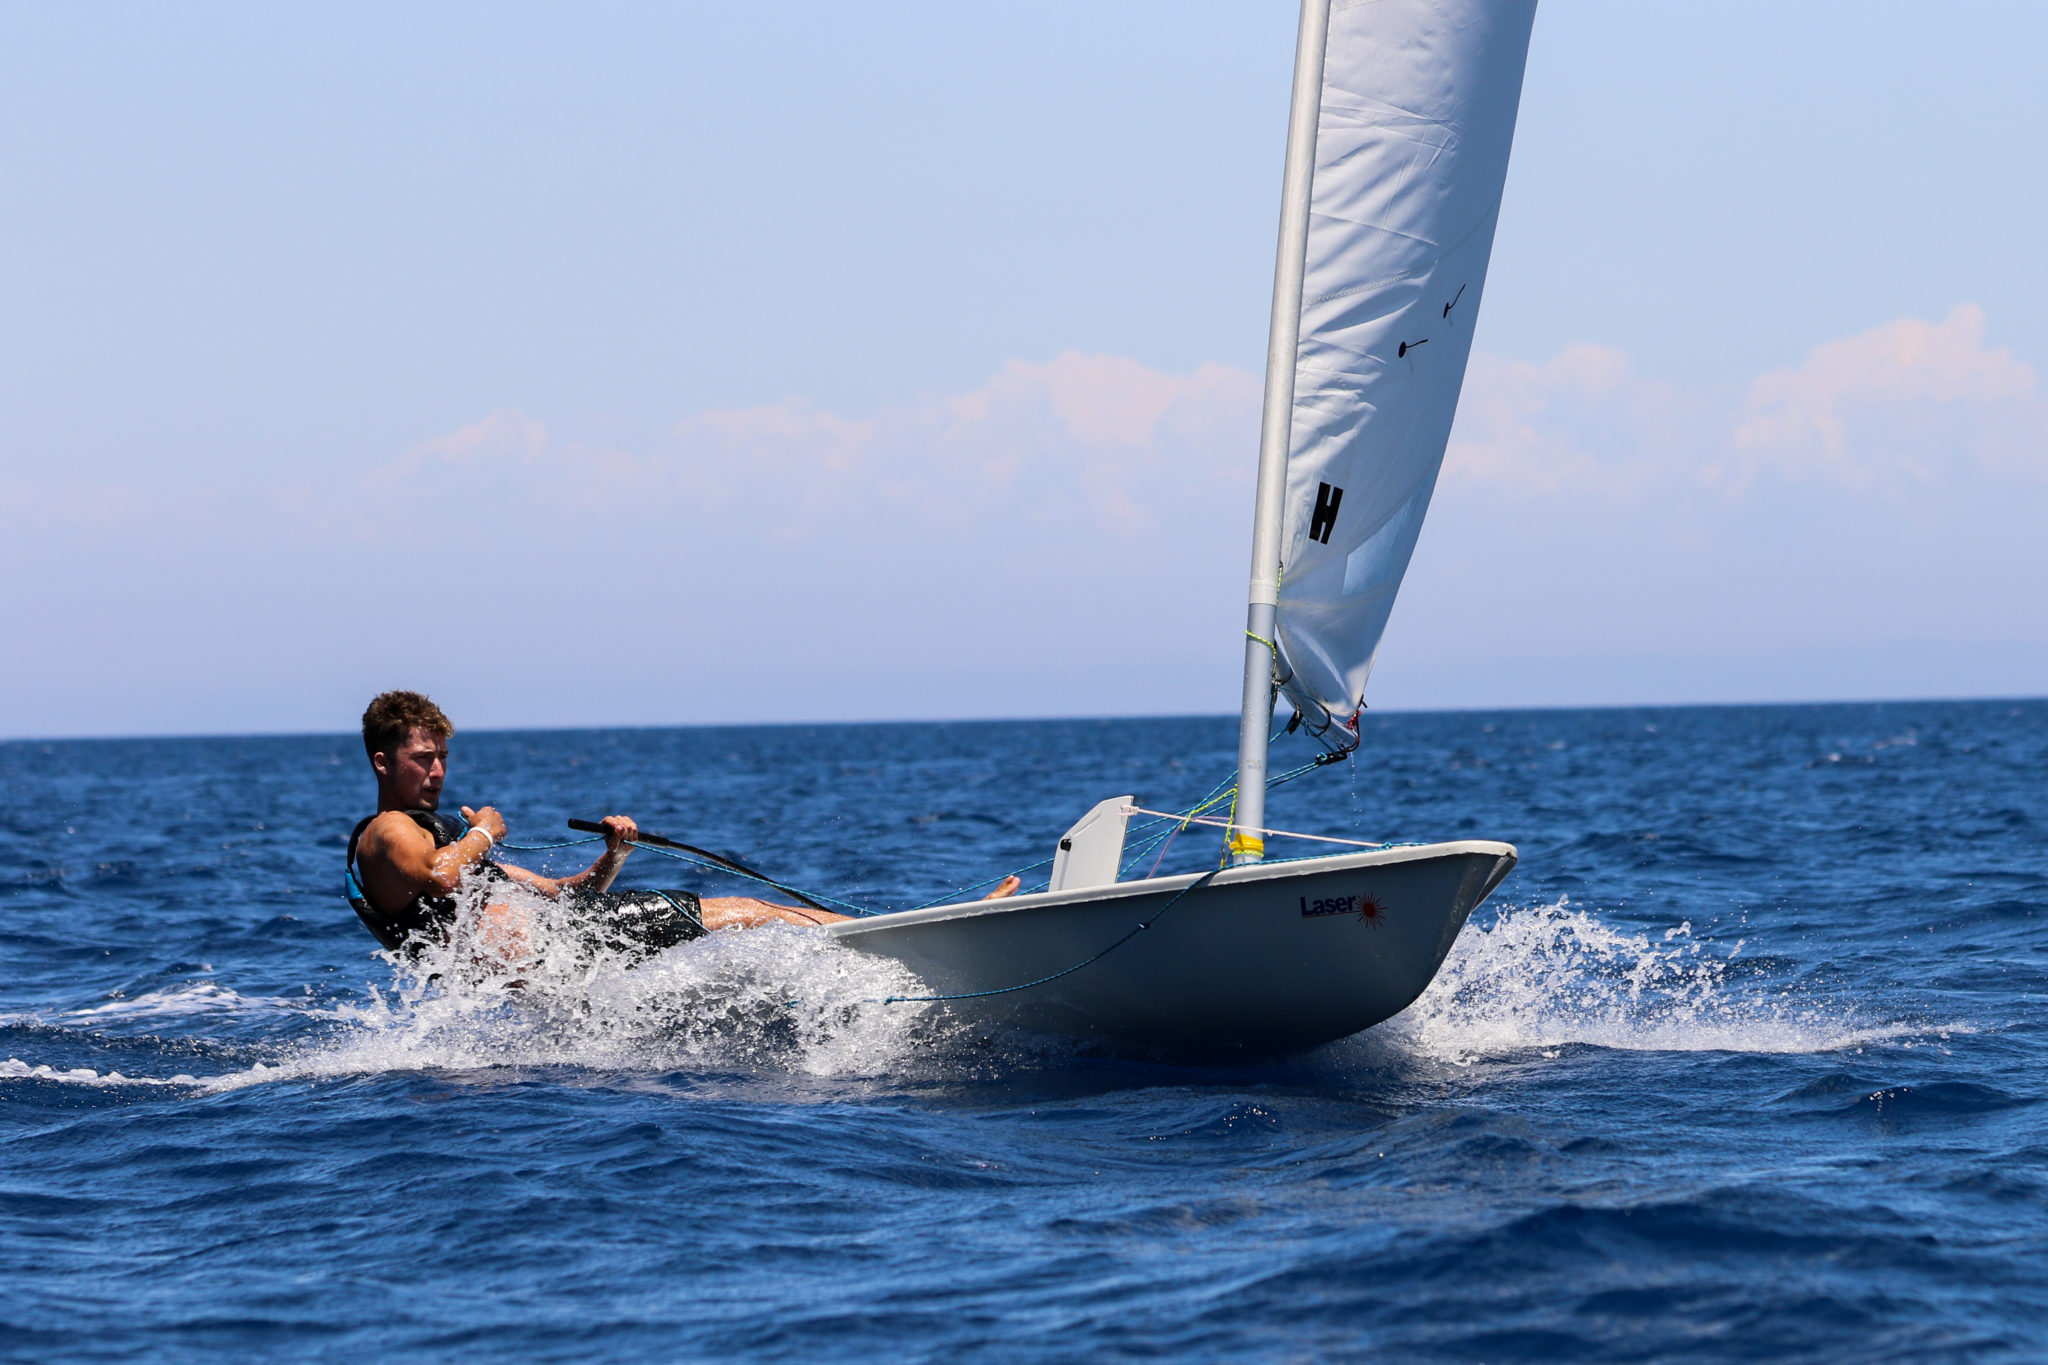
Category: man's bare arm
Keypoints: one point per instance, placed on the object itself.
(619, 832)
(399, 860)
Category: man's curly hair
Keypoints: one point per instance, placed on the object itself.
(394, 715)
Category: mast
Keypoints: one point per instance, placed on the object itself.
(1275, 429)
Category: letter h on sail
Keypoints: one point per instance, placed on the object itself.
(1325, 520)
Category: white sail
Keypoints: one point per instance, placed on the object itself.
(1417, 115)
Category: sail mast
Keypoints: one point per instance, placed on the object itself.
(1275, 430)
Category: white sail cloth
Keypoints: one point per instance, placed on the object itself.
(1417, 116)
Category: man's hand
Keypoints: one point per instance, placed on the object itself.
(487, 819)
(619, 832)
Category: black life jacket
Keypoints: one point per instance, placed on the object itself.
(424, 917)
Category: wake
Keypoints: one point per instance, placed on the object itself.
(769, 999)
(776, 998)
(1549, 976)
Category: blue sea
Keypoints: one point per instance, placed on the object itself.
(1742, 1062)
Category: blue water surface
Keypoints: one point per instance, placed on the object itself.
(1743, 1061)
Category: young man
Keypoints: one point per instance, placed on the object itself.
(406, 861)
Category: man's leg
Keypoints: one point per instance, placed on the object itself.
(744, 912)
(503, 936)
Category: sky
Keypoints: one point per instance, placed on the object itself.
(634, 364)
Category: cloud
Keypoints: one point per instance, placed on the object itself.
(501, 436)
(1889, 412)
(1892, 407)
(1083, 444)
(1583, 421)
(1105, 446)
(470, 468)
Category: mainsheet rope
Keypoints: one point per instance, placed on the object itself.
(849, 906)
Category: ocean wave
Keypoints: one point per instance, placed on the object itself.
(14, 1069)
(1549, 976)
(187, 1000)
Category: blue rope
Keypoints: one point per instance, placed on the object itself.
(1170, 827)
(946, 896)
(849, 906)
(694, 862)
(684, 913)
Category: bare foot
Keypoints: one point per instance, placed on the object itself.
(1008, 888)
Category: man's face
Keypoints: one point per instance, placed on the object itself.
(415, 769)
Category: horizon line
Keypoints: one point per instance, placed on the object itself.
(1097, 718)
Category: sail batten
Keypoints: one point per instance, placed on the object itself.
(1415, 121)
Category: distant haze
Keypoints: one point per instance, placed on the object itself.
(658, 365)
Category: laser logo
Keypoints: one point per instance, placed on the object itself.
(1366, 906)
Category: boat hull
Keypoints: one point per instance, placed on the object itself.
(1268, 957)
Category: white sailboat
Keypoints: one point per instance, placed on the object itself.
(1402, 118)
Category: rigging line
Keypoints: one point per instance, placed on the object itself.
(1166, 827)
(1154, 835)
(729, 868)
(733, 869)
(1154, 870)
(848, 906)
(693, 919)
(1138, 854)
(1141, 926)
(649, 839)
(976, 886)
(1323, 760)
(1230, 821)
(1276, 833)
(1225, 788)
